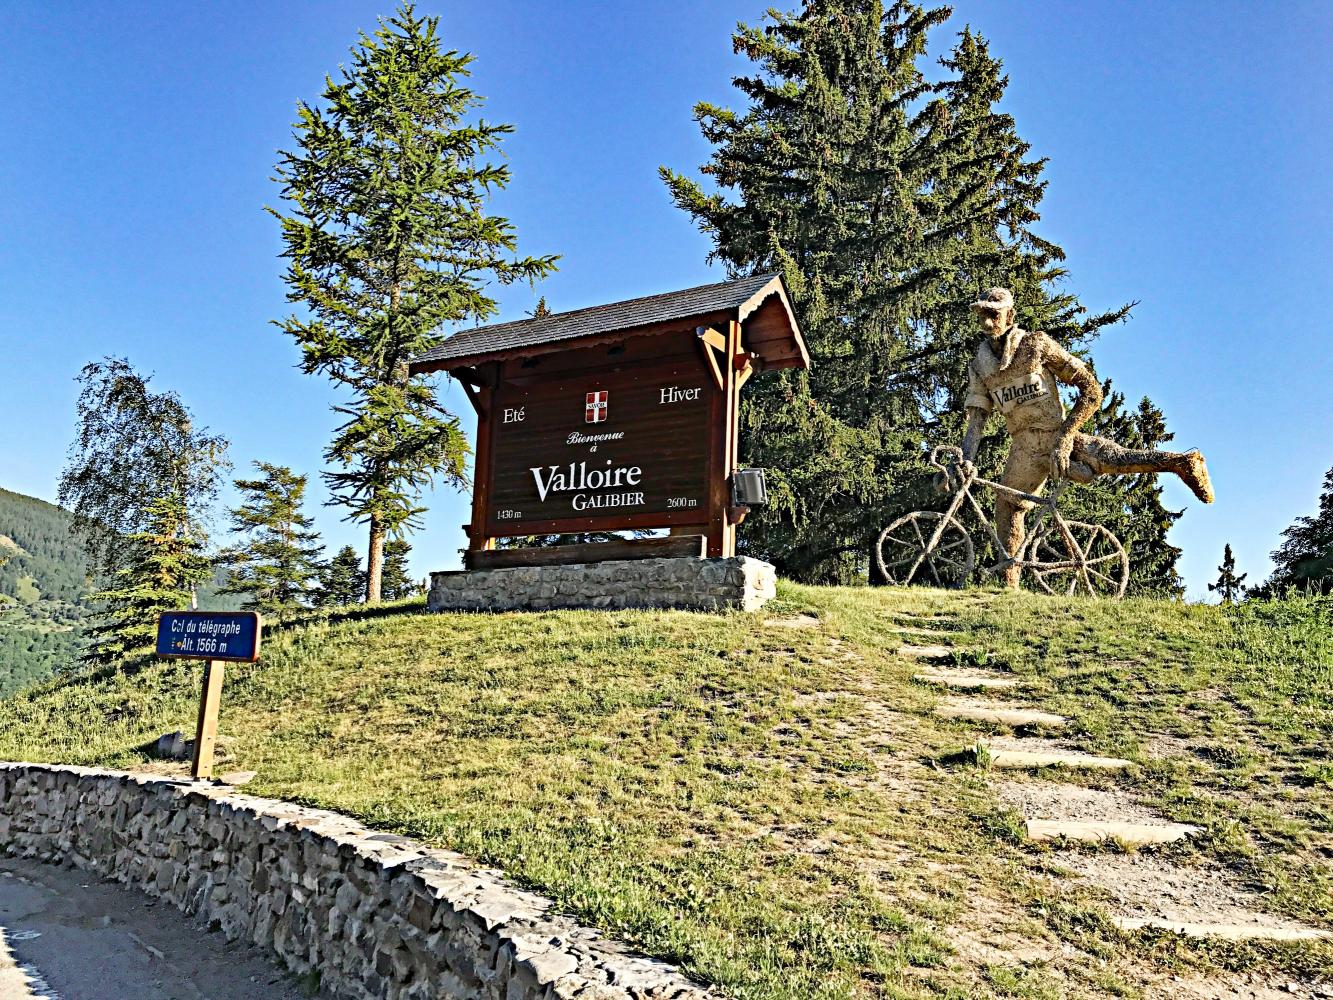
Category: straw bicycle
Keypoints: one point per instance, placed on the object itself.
(1059, 556)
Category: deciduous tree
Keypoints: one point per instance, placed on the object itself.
(389, 242)
(135, 449)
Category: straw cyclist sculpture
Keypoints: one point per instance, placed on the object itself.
(1020, 373)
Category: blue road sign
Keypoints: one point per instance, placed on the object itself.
(209, 635)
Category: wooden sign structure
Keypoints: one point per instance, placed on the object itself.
(215, 636)
(616, 417)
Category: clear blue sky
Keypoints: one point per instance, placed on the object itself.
(1189, 143)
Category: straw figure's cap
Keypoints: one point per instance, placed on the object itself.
(995, 300)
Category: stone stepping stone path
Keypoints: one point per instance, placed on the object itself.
(1015, 718)
(1109, 831)
(1225, 932)
(1147, 892)
(792, 621)
(1006, 759)
(932, 652)
(967, 682)
(919, 632)
(1054, 810)
(1205, 902)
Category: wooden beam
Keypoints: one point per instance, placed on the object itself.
(722, 456)
(481, 470)
(673, 546)
(469, 376)
(475, 400)
(711, 337)
(710, 355)
(743, 376)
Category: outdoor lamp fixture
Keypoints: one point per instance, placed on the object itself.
(748, 488)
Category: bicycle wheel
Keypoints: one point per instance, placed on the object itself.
(925, 548)
(1099, 567)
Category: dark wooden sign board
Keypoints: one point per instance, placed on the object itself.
(216, 637)
(617, 417)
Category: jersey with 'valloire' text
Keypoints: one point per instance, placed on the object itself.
(1020, 376)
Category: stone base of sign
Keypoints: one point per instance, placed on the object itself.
(695, 584)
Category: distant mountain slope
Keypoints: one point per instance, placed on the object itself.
(42, 561)
(43, 590)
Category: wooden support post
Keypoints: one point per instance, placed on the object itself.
(722, 459)
(481, 473)
(206, 733)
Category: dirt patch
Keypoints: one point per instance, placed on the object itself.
(838, 646)
(1165, 747)
(1146, 887)
(1052, 800)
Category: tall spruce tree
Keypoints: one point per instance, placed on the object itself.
(388, 242)
(164, 568)
(1229, 587)
(1131, 506)
(398, 583)
(341, 580)
(1304, 560)
(888, 203)
(276, 565)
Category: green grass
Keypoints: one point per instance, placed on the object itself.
(772, 807)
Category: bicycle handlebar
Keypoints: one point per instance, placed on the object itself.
(953, 451)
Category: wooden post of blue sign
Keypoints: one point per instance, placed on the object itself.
(214, 636)
(206, 732)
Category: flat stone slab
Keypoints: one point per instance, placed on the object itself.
(1013, 717)
(1227, 932)
(934, 652)
(967, 682)
(1054, 758)
(1097, 832)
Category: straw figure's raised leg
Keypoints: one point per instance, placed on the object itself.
(1105, 457)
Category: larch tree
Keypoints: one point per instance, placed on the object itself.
(134, 449)
(275, 566)
(164, 567)
(389, 242)
(888, 203)
(1229, 587)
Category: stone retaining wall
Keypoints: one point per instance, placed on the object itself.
(696, 584)
(376, 915)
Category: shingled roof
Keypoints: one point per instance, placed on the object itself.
(743, 297)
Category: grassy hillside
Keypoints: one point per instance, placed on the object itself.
(43, 587)
(770, 800)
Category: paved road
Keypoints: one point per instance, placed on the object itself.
(68, 935)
